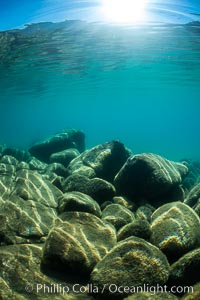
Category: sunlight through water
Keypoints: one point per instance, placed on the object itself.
(124, 11)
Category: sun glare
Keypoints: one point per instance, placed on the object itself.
(124, 11)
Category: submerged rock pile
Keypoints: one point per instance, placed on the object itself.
(101, 223)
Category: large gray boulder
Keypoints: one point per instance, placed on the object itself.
(102, 161)
(67, 139)
(175, 229)
(149, 176)
(77, 243)
(185, 271)
(64, 157)
(132, 262)
(30, 185)
(76, 201)
(98, 188)
(24, 221)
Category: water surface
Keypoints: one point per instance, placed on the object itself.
(138, 84)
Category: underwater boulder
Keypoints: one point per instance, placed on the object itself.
(175, 229)
(117, 215)
(76, 167)
(30, 185)
(197, 209)
(193, 196)
(20, 275)
(148, 176)
(56, 168)
(124, 202)
(67, 139)
(131, 263)
(9, 160)
(24, 221)
(54, 179)
(185, 271)
(7, 169)
(22, 165)
(99, 189)
(7, 176)
(19, 154)
(76, 201)
(64, 157)
(77, 243)
(139, 228)
(76, 183)
(193, 175)
(37, 165)
(144, 212)
(193, 293)
(103, 161)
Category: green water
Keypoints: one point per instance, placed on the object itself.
(140, 85)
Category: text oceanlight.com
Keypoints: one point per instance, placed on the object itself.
(109, 288)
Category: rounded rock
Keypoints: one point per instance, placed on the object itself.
(185, 271)
(132, 262)
(175, 229)
(64, 157)
(139, 228)
(77, 243)
(76, 201)
(117, 215)
(148, 176)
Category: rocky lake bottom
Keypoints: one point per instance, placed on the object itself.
(101, 223)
